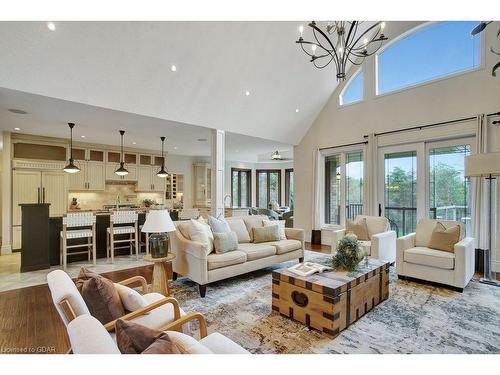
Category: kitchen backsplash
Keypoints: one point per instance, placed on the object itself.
(95, 200)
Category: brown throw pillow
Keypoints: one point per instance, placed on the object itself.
(133, 338)
(266, 234)
(359, 228)
(444, 239)
(100, 295)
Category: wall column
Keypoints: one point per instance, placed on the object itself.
(218, 166)
(6, 173)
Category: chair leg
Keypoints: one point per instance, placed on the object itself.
(112, 246)
(94, 248)
(147, 243)
(65, 254)
(136, 238)
(60, 250)
(301, 260)
(203, 290)
(88, 249)
(174, 276)
(107, 246)
(130, 242)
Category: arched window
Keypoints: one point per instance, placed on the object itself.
(353, 90)
(433, 51)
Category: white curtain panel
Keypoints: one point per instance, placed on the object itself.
(479, 194)
(316, 181)
(371, 176)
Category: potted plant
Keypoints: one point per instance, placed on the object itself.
(349, 253)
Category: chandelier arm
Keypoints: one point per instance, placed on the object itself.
(315, 28)
(334, 54)
(366, 32)
(354, 26)
(315, 44)
(322, 66)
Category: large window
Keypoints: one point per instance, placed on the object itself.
(241, 182)
(343, 186)
(289, 176)
(353, 91)
(433, 51)
(268, 187)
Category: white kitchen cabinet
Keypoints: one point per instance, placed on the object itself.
(90, 177)
(202, 185)
(147, 180)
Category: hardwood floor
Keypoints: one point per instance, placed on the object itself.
(30, 323)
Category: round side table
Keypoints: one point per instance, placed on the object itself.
(160, 275)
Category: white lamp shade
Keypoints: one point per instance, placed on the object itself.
(483, 165)
(158, 221)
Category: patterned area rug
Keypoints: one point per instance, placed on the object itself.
(417, 318)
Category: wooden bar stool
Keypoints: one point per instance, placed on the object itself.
(121, 218)
(146, 237)
(86, 222)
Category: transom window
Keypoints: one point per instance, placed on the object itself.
(434, 51)
(353, 90)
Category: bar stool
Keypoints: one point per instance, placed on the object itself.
(120, 218)
(78, 220)
(146, 236)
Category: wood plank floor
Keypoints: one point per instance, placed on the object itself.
(30, 323)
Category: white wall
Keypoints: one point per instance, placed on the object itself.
(254, 166)
(447, 99)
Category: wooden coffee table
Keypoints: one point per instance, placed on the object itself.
(160, 273)
(331, 301)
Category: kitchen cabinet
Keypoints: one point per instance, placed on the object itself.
(202, 185)
(112, 176)
(147, 180)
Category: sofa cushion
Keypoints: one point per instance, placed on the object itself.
(425, 227)
(266, 234)
(201, 232)
(254, 221)
(375, 224)
(225, 242)
(133, 338)
(359, 228)
(130, 298)
(187, 344)
(227, 259)
(285, 246)
(430, 257)
(160, 316)
(443, 238)
(279, 223)
(257, 250)
(238, 226)
(220, 344)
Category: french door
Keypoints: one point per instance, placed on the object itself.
(424, 179)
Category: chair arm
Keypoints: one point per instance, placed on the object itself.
(464, 261)
(196, 249)
(405, 242)
(383, 246)
(295, 234)
(466, 244)
(134, 314)
(135, 279)
(337, 235)
(178, 323)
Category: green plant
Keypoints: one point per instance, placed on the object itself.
(148, 202)
(348, 254)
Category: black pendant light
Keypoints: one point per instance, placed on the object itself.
(121, 171)
(71, 167)
(162, 172)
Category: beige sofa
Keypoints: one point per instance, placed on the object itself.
(192, 261)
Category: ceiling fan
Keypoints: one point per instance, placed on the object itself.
(277, 156)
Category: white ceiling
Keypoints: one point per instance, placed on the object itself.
(125, 66)
(49, 117)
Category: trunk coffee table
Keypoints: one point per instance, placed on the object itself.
(332, 300)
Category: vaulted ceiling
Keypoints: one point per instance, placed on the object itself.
(126, 66)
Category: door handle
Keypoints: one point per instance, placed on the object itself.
(38, 195)
(43, 195)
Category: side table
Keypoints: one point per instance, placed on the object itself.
(160, 274)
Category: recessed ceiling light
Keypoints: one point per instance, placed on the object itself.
(17, 129)
(247, 93)
(175, 147)
(51, 26)
(202, 139)
(17, 111)
(173, 68)
(82, 136)
(134, 143)
(296, 110)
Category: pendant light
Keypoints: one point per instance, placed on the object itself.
(71, 167)
(162, 172)
(121, 171)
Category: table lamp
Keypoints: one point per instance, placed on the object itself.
(158, 223)
(485, 165)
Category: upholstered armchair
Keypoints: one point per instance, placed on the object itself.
(382, 240)
(414, 259)
(88, 336)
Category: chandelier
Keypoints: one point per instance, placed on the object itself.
(340, 42)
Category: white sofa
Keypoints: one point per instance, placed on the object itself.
(414, 259)
(88, 336)
(192, 261)
(382, 243)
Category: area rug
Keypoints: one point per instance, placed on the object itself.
(417, 318)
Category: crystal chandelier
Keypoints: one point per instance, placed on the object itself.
(340, 42)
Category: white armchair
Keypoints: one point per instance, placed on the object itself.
(382, 243)
(414, 259)
(88, 336)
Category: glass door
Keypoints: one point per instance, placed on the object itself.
(401, 187)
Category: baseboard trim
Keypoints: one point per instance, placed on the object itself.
(6, 249)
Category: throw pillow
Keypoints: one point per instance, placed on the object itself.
(225, 242)
(254, 221)
(280, 223)
(218, 225)
(200, 232)
(266, 234)
(238, 226)
(359, 228)
(101, 296)
(444, 239)
(133, 338)
(130, 298)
